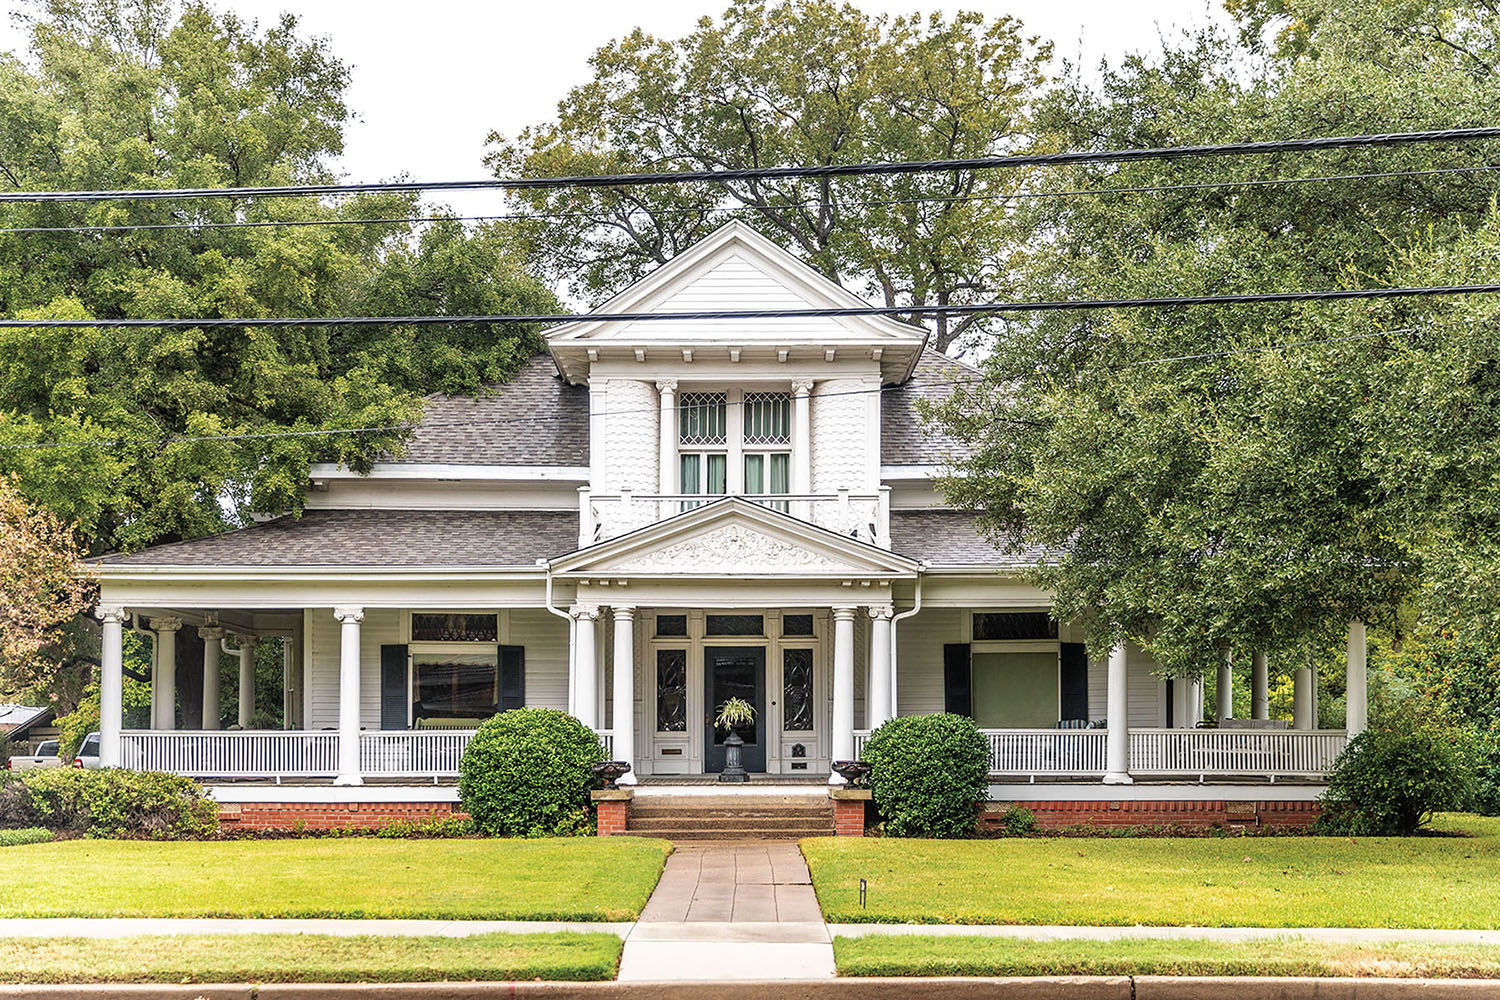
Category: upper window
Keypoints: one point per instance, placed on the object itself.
(454, 628)
(701, 419)
(768, 418)
(1014, 625)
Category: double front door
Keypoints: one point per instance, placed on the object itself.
(734, 672)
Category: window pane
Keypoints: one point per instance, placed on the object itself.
(671, 624)
(1014, 625)
(755, 478)
(701, 418)
(768, 418)
(796, 624)
(688, 466)
(455, 685)
(797, 689)
(736, 625)
(671, 690)
(454, 628)
(781, 473)
(718, 466)
(1015, 690)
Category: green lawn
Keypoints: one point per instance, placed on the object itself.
(583, 878)
(881, 955)
(1212, 882)
(310, 958)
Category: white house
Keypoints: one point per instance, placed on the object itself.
(648, 519)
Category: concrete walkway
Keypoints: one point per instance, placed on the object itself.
(731, 911)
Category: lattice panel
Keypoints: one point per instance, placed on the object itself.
(701, 418)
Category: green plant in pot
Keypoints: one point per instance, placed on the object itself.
(734, 713)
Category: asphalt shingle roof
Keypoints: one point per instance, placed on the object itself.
(465, 430)
(904, 440)
(376, 538)
(949, 538)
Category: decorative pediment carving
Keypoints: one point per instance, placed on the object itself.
(730, 549)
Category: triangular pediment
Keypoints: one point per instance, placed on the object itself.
(738, 539)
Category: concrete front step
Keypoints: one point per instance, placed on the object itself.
(788, 812)
(735, 833)
(644, 823)
(731, 816)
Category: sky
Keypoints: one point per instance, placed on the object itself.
(431, 81)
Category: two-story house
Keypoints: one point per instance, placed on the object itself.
(648, 519)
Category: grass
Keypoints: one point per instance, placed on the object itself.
(309, 958)
(584, 878)
(882, 955)
(1210, 882)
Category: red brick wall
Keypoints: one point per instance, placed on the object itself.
(612, 814)
(328, 815)
(849, 817)
(1202, 813)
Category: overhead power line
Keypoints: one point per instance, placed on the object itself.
(777, 173)
(720, 209)
(958, 309)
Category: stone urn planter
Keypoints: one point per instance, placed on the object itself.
(734, 712)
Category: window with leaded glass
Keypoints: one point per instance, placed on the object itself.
(671, 625)
(426, 627)
(1014, 625)
(702, 443)
(797, 625)
(797, 690)
(671, 690)
(767, 427)
(735, 624)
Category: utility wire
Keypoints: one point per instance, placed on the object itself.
(778, 173)
(958, 309)
(918, 382)
(717, 209)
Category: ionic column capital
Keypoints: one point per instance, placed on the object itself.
(166, 624)
(845, 612)
(349, 613)
(666, 386)
(115, 614)
(881, 612)
(801, 386)
(584, 612)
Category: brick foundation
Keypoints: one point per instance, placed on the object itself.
(328, 815)
(1195, 814)
(612, 816)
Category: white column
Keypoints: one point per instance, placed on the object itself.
(247, 681)
(111, 683)
(1117, 738)
(1260, 687)
(1357, 698)
(801, 436)
(667, 462)
(1303, 706)
(1194, 702)
(624, 689)
(1224, 688)
(585, 665)
(843, 687)
(349, 619)
(211, 636)
(878, 688)
(164, 676)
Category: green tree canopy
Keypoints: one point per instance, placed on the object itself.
(795, 83)
(1240, 495)
(142, 94)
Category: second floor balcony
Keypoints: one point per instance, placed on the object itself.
(865, 517)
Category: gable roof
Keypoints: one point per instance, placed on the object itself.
(733, 537)
(552, 429)
(905, 439)
(946, 538)
(373, 537)
(734, 268)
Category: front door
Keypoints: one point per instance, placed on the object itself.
(734, 672)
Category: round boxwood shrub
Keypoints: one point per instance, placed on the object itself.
(928, 773)
(1389, 782)
(527, 773)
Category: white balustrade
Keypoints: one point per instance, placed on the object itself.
(428, 753)
(1032, 752)
(1203, 752)
(863, 516)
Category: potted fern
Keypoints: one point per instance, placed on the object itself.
(733, 713)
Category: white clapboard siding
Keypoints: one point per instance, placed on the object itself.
(919, 658)
(545, 637)
(381, 626)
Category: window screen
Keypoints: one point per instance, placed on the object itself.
(1014, 690)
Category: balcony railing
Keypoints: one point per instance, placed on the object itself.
(1080, 753)
(430, 753)
(862, 516)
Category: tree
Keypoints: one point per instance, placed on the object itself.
(142, 94)
(41, 591)
(1200, 489)
(794, 83)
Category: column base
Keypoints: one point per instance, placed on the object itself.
(344, 780)
(1118, 778)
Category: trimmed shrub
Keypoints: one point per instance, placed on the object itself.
(1017, 821)
(25, 835)
(528, 772)
(110, 803)
(928, 773)
(1389, 782)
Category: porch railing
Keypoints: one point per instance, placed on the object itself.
(1197, 752)
(863, 516)
(1202, 752)
(430, 753)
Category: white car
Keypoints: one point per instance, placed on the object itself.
(88, 753)
(45, 756)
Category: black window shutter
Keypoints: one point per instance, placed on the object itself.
(393, 693)
(1171, 702)
(956, 678)
(1075, 681)
(512, 677)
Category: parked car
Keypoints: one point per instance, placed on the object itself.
(45, 756)
(88, 753)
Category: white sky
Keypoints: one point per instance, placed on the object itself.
(430, 82)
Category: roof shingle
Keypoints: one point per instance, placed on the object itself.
(950, 538)
(904, 439)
